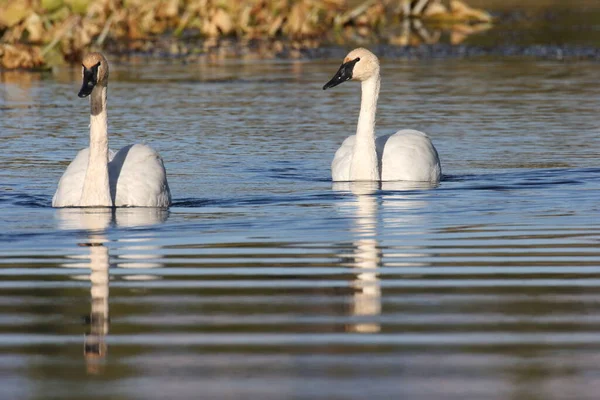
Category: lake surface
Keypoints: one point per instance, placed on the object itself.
(265, 280)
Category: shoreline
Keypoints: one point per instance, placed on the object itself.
(511, 33)
(436, 52)
(234, 50)
(44, 33)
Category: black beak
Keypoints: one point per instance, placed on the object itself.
(344, 74)
(90, 79)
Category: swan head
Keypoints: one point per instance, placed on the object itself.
(94, 73)
(359, 65)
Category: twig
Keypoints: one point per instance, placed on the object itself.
(405, 5)
(349, 16)
(185, 18)
(105, 30)
(419, 7)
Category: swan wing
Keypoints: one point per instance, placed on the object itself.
(340, 166)
(70, 186)
(138, 178)
(408, 155)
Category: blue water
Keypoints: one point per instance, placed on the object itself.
(265, 280)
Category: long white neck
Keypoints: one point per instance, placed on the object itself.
(96, 189)
(364, 166)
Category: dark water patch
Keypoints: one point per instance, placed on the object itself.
(291, 173)
(439, 51)
(516, 34)
(446, 51)
(193, 202)
(524, 179)
(24, 199)
(274, 199)
(14, 237)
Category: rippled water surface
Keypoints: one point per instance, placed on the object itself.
(266, 281)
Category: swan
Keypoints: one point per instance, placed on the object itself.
(407, 155)
(135, 176)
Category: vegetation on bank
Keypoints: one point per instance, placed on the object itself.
(41, 33)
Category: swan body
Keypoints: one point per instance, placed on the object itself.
(131, 174)
(407, 155)
(134, 176)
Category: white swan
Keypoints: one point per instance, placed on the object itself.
(133, 177)
(406, 155)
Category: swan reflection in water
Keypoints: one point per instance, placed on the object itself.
(367, 253)
(95, 222)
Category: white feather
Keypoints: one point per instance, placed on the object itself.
(407, 155)
(136, 174)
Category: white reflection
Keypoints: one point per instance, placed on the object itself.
(91, 218)
(403, 213)
(94, 346)
(367, 256)
(135, 252)
(96, 221)
(367, 253)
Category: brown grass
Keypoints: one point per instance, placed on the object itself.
(38, 33)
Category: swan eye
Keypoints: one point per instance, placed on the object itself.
(357, 59)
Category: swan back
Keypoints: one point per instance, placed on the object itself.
(408, 155)
(138, 178)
